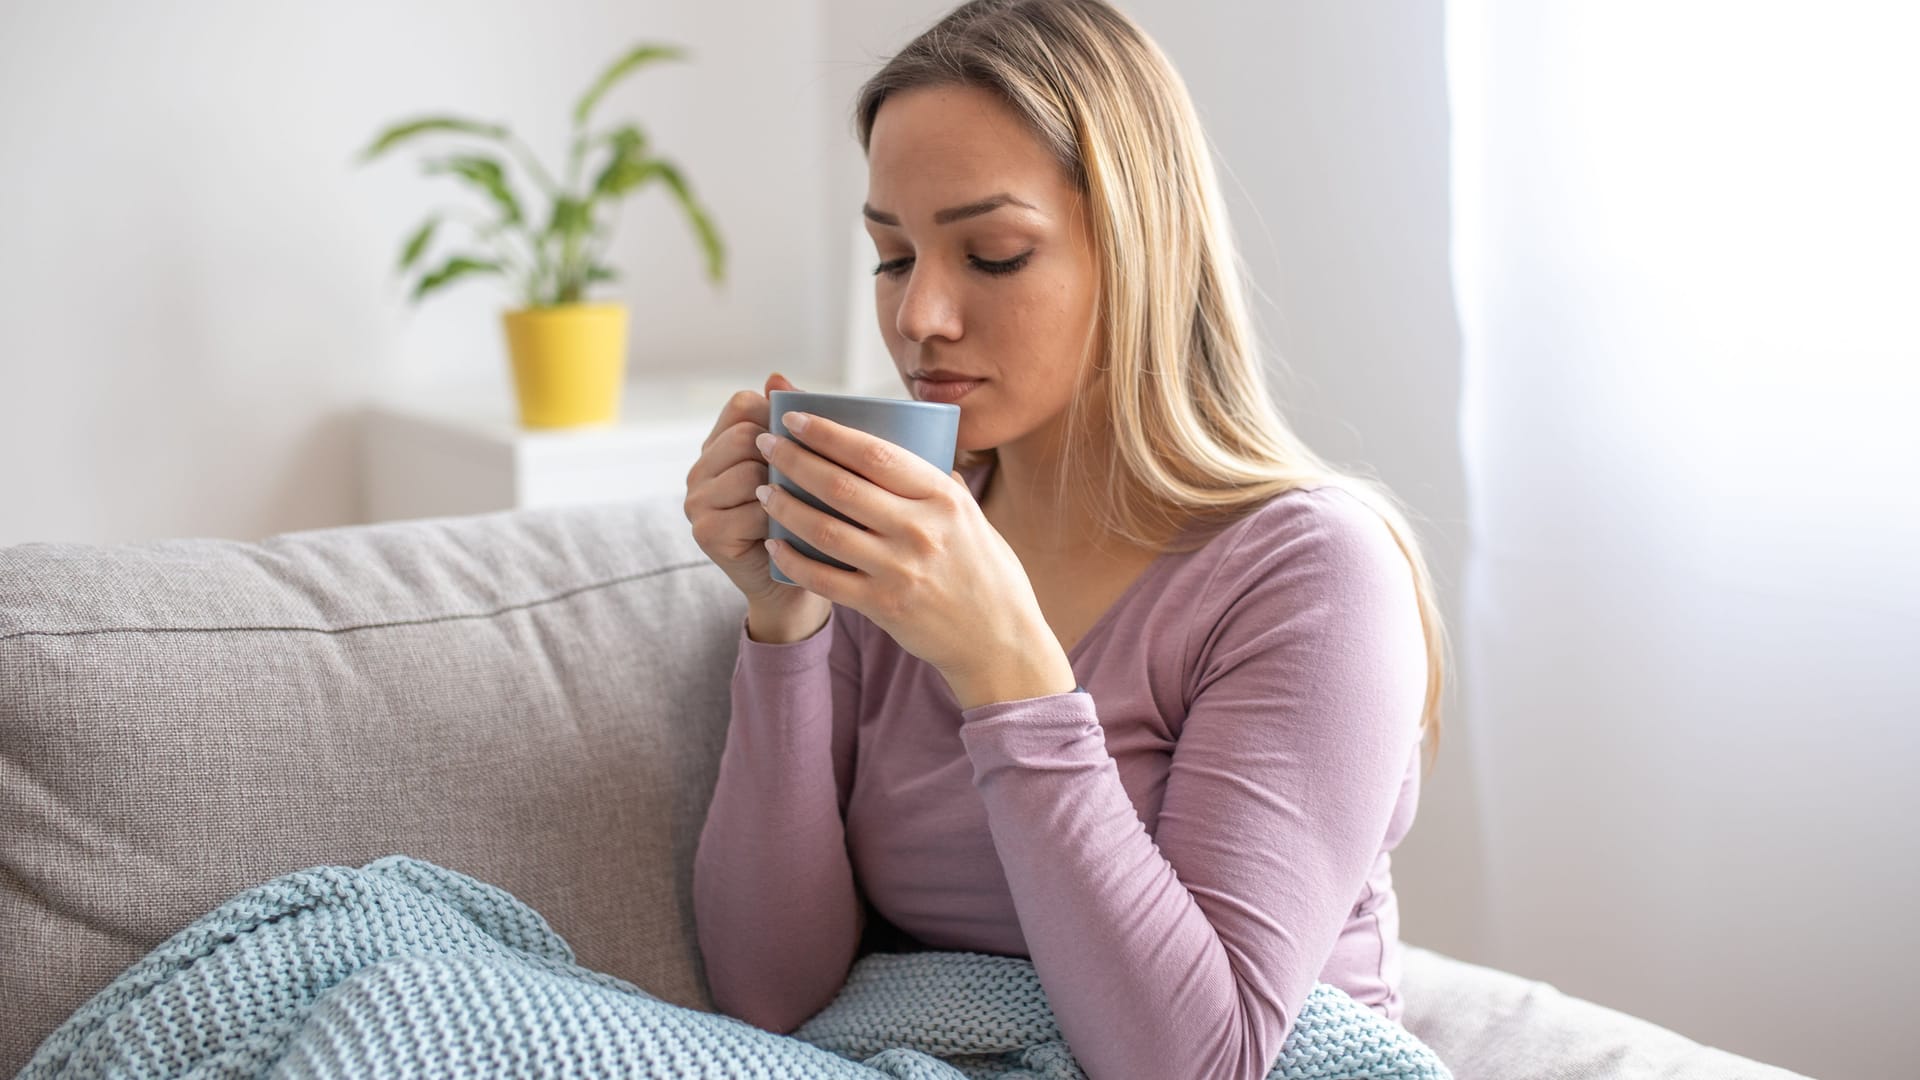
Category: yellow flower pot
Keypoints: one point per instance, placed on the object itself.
(569, 362)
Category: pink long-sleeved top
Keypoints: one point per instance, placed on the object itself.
(1182, 850)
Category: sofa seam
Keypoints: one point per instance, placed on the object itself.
(458, 617)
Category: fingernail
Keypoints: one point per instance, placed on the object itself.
(795, 421)
(764, 441)
(763, 493)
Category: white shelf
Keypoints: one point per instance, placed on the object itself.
(462, 451)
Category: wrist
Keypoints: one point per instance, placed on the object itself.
(1035, 674)
(771, 625)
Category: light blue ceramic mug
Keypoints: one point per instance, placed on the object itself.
(930, 429)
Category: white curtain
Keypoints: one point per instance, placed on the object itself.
(1687, 257)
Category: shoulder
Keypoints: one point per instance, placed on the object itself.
(1311, 596)
(1310, 542)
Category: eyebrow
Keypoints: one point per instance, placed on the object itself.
(952, 213)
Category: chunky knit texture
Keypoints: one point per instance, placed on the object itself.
(403, 968)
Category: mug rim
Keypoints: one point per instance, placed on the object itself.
(864, 397)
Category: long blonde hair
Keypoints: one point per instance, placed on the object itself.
(1194, 436)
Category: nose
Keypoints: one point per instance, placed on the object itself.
(929, 306)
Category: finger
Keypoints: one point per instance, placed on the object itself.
(829, 535)
(729, 447)
(748, 522)
(735, 485)
(891, 466)
(743, 525)
(743, 405)
(843, 587)
(844, 490)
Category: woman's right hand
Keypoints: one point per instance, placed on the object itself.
(729, 524)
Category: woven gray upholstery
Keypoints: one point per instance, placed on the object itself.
(536, 698)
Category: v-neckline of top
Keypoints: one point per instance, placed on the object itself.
(1099, 625)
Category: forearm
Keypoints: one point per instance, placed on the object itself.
(776, 909)
(1140, 982)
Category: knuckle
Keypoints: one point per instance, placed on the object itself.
(842, 489)
(831, 533)
(893, 603)
(881, 454)
(919, 585)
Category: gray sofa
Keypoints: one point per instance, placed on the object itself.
(537, 698)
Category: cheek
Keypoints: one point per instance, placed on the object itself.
(886, 308)
(1048, 318)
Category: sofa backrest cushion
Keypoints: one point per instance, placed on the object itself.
(537, 698)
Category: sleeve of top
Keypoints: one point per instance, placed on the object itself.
(776, 912)
(1190, 952)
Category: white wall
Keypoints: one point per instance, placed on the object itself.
(196, 292)
(1689, 283)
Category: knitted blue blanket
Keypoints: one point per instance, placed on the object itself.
(403, 969)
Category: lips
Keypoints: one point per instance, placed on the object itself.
(944, 390)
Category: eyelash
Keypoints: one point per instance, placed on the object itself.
(895, 267)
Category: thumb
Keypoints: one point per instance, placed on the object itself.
(777, 381)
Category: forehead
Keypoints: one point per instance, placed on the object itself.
(938, 146)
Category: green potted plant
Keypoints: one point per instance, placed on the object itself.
(568, 352)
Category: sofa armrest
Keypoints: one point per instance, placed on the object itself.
(1488, 1024)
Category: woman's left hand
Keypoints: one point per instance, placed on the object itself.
(931, 571)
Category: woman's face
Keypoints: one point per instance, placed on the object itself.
(986, 266)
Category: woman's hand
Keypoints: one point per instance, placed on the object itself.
(929, 569)
(729, 524)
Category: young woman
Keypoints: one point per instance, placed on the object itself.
(1139, 690)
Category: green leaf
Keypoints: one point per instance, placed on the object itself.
(626, 65)
(454, 269)
(417, 243)
(702, 225)
(602, 273)
(621, 177)
(486, 174)
(407, 129)
(570, 215)
(627, 168)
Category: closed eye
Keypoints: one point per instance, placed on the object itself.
(893, 268)
(1004, 266)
